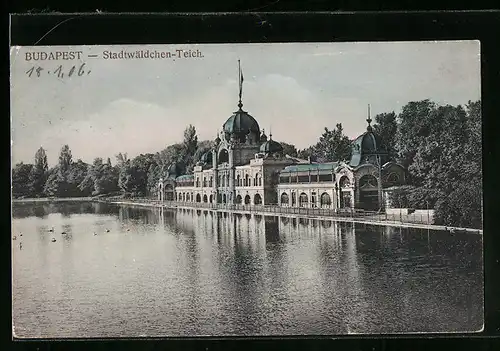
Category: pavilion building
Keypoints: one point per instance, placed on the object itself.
(248, 168)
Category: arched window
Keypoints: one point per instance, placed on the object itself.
(210, 182)
(255, 181)
(284, 199)
(197, 182)
(223, 156)
(247, 183)
(211, 198)
(345, 182)
(238, 180)
(247, 200)
(303, 200)
(257, 199)
(205, 199)
(238, 199)
(227, 180)
(326, 200)
(368, 181)
(260, 181)
(204, 181)
(198, 198)
(393, 177)
(188, 197)
(220, 181)
(224, 198)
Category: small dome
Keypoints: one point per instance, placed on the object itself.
(241, 123)
(206, 157)
(263, 137)
(172, 169)
(271, 147)
(367, 144)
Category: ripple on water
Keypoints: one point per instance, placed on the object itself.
(175, 277)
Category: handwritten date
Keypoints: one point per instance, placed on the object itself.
(60, 71)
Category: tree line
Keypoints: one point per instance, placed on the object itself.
(440, 146)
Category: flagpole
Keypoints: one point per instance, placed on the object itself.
(240, 80)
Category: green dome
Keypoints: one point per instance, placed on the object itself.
(271, 147)
(366, 145)
(206, 157)
(241, 123)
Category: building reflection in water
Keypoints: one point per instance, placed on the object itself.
(253, 274)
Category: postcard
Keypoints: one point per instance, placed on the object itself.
(282, 189)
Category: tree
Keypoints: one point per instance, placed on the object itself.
(38, 175)
(289, 149)
(57, 182)
(21, 180)
(65, 159)
(307, 153)
(386, 127)
(413, 127)
(76, 175)
(333, 145)
(190, 140)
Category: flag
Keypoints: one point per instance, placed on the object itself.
(241, 78)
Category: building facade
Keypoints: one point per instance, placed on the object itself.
(248, 168)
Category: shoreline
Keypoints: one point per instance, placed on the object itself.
(260, 211)
(318, 217)
(56, 199)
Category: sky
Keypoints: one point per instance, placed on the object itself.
(294, 90)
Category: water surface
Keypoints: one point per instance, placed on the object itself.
(149, 272)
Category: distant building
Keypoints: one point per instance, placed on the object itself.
(246, 167)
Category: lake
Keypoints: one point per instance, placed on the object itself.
(122, 271)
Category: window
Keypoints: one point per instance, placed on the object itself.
(284, 179)
(284, 199)
(304, 179)
(325, 178)
(314, 178)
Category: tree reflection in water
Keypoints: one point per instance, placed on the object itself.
(225, 273)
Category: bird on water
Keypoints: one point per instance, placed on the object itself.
(51, 230)
(53, 240)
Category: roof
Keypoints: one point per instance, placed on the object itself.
(206, 157)
(241, 123)
(311, 167)
(185, 177)
(271, 146)
(366, 144)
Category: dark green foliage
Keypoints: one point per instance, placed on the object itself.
(21, 180)
(289, 149)
(440, 146)
(333, 145)
(39, 173)
(386, 127)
